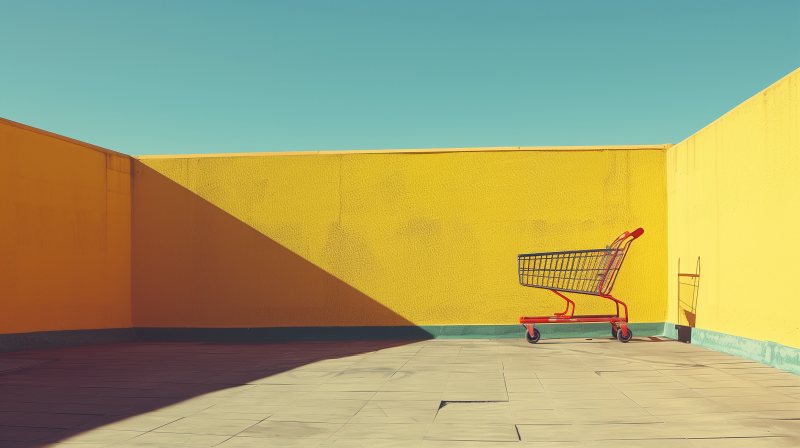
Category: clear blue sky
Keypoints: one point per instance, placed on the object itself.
(171, 77)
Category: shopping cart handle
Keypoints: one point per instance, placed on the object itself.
(637, 233)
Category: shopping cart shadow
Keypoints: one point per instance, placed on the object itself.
(687, 307)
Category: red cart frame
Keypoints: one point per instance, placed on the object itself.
(590, 272)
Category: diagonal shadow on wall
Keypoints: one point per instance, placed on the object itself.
(196, 266)
(198, 274)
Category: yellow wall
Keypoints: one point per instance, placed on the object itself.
(734, 201)
(377, 239)
(64, 233)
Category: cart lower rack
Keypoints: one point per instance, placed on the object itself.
(590, 272)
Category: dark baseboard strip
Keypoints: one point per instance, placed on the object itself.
(44, 340)
(279, 334)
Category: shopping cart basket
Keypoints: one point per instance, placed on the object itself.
(591, 272)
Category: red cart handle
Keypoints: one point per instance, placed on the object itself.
(637, 233)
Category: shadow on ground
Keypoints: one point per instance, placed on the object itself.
(66, 392)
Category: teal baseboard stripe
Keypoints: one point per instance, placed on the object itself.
(43, 340)
(764, 352)
(642, 329)
(474, 331)
(670, 331)
(549, 331)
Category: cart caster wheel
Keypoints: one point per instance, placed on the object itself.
(614, 333)
(535, 338)
(622, 338)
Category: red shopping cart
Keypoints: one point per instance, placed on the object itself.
(590, 272)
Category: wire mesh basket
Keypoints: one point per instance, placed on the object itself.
(582, 271)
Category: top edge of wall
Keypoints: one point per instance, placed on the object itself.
(61, 137)
(742, 104)
(419, 151)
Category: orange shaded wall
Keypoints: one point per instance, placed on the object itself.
(65, 233)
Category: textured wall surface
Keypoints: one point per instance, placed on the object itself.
(65, 234)
(734, 201)
(386, 239)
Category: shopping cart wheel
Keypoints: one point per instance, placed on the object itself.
(622, 338)
(614, 333)
(535, 338)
